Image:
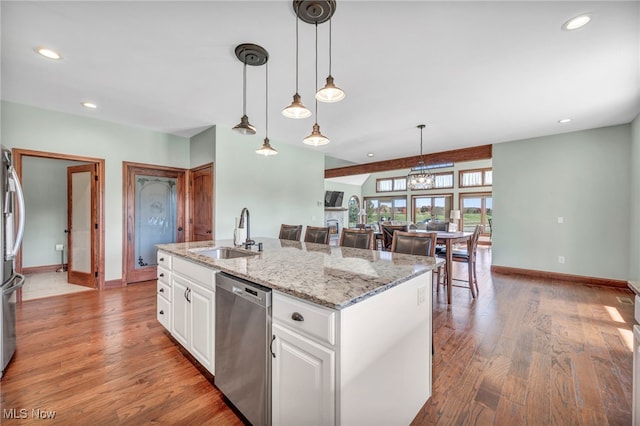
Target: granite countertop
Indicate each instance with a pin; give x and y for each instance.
(335, 277)
(635, 286)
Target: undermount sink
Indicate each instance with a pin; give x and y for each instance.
(224, 253)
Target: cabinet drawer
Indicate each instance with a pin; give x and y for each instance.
(314, 321)
(164, 275)
(163, 259)
(194, 272)
(637, 309)
(163, 312)
(164, 290)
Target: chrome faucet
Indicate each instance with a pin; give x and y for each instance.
(248, 242)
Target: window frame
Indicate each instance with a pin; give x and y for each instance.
(428, 195)
(393, 186)
(483, 209)
(391, 198)
(482, 174)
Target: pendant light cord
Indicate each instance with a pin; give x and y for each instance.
(329, 46)
(266, 100)
(315, 83)
(297, 52)
(244, 89)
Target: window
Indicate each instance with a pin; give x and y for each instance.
(476, 209)
(354, 208)
(443, 180)
(434, 207)
(477, 177)
(391, 184)
(387, 208)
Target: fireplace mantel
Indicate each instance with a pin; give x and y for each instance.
(335, 209)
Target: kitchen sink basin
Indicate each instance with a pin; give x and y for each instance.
(224, 253)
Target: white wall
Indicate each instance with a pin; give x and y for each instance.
(202, 147)
(285, 188)
(43, 130)
(44, 183)
(634, 201)
(583, 177)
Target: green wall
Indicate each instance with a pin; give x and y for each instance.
(38, 129)
(583, 177)
(634, 200)
(285, 188)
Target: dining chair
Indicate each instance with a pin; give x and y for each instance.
(387, 234)
(316, 234)
(357, 238)
(468, 257)
(417, 243)
(290, 232)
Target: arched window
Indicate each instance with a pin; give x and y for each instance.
(354, 208)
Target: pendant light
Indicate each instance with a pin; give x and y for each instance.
(419, 176)
(266, 148)
(330, 92)
(296, 109)
(316, 138)
(248, 54)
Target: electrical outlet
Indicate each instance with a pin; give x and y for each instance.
(59, 247)
(422, 295)
(560, 219)
(561, 259)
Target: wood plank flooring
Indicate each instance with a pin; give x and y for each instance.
(524, 352)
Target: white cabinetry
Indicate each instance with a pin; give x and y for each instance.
(369, 363)
(189, 306)
(303, 370)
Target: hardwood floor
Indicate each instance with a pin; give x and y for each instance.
(524, 352)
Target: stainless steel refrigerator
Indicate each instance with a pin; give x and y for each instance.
(11, 231)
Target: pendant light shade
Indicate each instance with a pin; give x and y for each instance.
(316, 138)
(248, 54)
(296, 109)
(419, 176)
(266, 148)
(330, 92)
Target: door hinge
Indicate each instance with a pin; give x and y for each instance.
(96, 274)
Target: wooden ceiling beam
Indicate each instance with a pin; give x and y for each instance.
(481, 152)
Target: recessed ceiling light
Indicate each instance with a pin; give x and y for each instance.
(370, 154)
(89, 105)
(577, 22)
(48, 53)
(564, 120)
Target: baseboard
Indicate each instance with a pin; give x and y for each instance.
(113, 284)
(41, 269)
(578, 279)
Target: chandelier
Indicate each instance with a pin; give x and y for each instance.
(419, 176)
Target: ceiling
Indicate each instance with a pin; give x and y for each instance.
(474, 72)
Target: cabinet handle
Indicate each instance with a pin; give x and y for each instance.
(161, 312)
(161, 275)
(161, 290)
(186, 295)
(162, 259)
(296, 316)
(271, 346)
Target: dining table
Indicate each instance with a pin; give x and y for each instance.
(449, 239)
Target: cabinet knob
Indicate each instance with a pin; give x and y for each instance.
(161, 290)
(161, 275)
(161, 312)
(296, 316)
(162, 259)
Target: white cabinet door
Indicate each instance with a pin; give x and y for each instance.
(181, 312)
(303, 380)
(202, 325)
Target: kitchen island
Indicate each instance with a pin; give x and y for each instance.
(362, 355)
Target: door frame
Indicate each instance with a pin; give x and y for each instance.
(18, 154)
(191, 202)
(128, 244)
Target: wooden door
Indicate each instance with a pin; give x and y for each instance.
(82, 224)
(154, 205)
(201, 209)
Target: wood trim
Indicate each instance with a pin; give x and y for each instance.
(41, 269)
(114, 284)
(17, 155)
(482, 152)
(577, 279)
(191, 204)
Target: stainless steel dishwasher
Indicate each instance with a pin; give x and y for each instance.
(243, 332)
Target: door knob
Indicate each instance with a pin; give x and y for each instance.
(180, 229)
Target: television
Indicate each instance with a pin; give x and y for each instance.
(333, 198)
